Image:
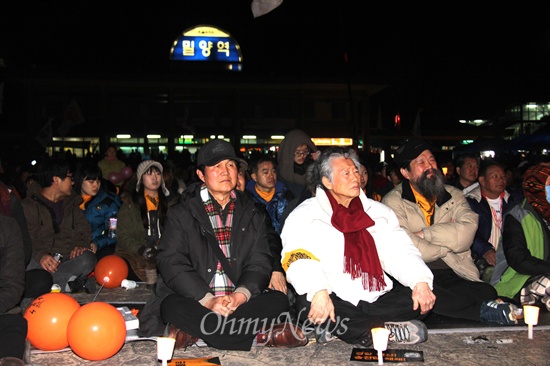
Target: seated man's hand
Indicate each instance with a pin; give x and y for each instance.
(236, 300)
(490, 257)
(321, 308)
(423, 296)
(49, 263)
(77, 251)
(420, 234)
(278, 282)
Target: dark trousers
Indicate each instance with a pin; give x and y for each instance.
(237, 331)
(84, 264)
(354, 323)
(13, 332)
(105, 251)
(458, 297)
(37, 282)
(132, 276)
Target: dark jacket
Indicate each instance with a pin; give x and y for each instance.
(48, 236)
(19, 215)
(187, 264)
(273, 238)
(12, 264)
(480, 206)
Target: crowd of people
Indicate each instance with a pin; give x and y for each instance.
(265, 250)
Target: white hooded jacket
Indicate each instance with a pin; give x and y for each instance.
(313, 251)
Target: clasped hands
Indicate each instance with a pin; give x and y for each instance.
(227, 304)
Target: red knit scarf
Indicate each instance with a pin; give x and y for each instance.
(360, 254)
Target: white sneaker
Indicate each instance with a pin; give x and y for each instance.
(409, 332)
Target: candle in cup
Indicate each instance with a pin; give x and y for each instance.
(531, 317)
(165, 349)
(380, 341)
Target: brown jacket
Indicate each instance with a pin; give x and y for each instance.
(72, 231)
(451, 233)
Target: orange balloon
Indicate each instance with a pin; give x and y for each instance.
(96, 331)
(47, 318)
(112, 267)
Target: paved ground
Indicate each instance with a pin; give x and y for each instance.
(449, 343)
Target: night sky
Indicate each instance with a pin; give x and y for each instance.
(454, 55)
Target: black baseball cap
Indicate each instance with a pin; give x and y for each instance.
(215, 151)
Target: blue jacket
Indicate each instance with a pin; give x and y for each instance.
(98, 212)
(276, 207)
(480, 206)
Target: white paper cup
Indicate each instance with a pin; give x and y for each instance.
(165, 348)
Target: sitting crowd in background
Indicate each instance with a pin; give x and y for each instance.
(70, 213)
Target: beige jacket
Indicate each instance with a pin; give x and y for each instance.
(451, 233)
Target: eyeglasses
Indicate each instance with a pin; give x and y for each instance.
(70, 176)
(301, 153)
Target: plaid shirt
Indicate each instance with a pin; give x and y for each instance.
(220, 284)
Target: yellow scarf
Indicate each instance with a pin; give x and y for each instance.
(426, 207)
(152, 202)
(267, 196)
(87, 198)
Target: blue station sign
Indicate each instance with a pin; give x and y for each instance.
(205, 43)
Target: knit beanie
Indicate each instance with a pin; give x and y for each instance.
(144, 167)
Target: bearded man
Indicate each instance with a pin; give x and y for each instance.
(441, 224)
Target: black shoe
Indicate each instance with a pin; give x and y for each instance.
(76, 285)
(82, 283)
(90, 285)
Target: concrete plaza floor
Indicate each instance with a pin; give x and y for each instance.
(449, 343)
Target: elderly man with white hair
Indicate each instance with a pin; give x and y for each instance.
(351, 264)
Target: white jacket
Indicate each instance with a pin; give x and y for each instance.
(313, 251)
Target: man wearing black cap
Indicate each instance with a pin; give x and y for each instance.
(215, 265)
(442, 225)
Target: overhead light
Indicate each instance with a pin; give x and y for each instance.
(249, 137)
(153, 136)
(277, 137)
(332, 141)
(123, 136)
(221, 136)
(188, 137)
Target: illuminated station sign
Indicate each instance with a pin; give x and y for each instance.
(206, 43)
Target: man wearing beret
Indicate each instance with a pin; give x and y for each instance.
(442, 225)
(215, 265)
